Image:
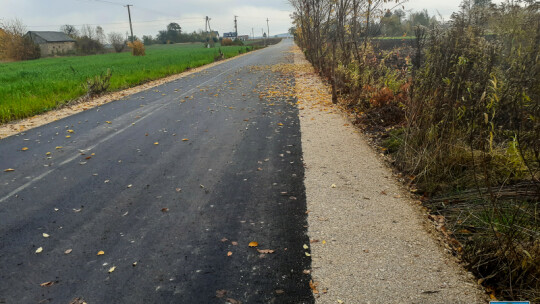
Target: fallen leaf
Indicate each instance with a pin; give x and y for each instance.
(9, 170)
(280, 124)
(134, 264)
(185, 139)
(45, 235)
(47, 284)
(112, 269)
(68, 251)
(101, 252)
(307, 254)
(229, 253)
(156, 143)
(77, 301)
(221, 293)
(70, 131)
(314, 241)
(108, 122)
(253, 244)
(178, 190)
(279, 291)
(265, 251)
(129, 186)
(234, 243)
(313, 286)
(39, 250)
(323, 242)
(334, 186)
(48, 153)
(224, 240)
(68, 136)
(24, 149)
(306, 271)
(306, 246)
(233, 301)
(165, 210)
(340, 302)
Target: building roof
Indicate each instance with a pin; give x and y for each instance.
(52, 36)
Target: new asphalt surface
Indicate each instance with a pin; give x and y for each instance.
(172, 184)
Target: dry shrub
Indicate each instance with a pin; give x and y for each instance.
(227, 42)
(97, 85)
(14, 45)
(137, 48)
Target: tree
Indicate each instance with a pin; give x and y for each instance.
(88, 32)
(174, 27)
(148, 39)
(14, 44)
(100, 34)
(70, 30)
(118, 41)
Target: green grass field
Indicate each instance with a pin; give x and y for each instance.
(31, 87)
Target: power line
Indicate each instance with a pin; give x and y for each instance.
(114, 23)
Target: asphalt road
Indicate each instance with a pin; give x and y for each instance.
(126, 182)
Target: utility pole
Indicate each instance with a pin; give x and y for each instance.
(236, 27)
(268, 27)
(252, 33)
(130, 26)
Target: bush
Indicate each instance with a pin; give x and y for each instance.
(14, 45)
(97, 85)
(88, 46)
(137, 48)
(117, 41)
(226, 42)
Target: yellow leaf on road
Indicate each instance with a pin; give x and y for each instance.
(185, 139)
(280, 124)
(9, 170)
(39, 250)
(253, 244)
(24, 149)
(112, 269)
(229, 253)
(68, 251)
(101, 252)
(45, 235)
(59, 147)
(70, 131)
(156, 143)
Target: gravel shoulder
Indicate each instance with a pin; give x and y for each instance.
(370, 242)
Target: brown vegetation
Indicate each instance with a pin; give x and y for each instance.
(14, 45)
(460, 114)
(137, 48)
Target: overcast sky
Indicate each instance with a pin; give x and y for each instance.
(151, 16)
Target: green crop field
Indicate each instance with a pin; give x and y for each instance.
(31, 87)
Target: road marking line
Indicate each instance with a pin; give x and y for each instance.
(21, 188)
